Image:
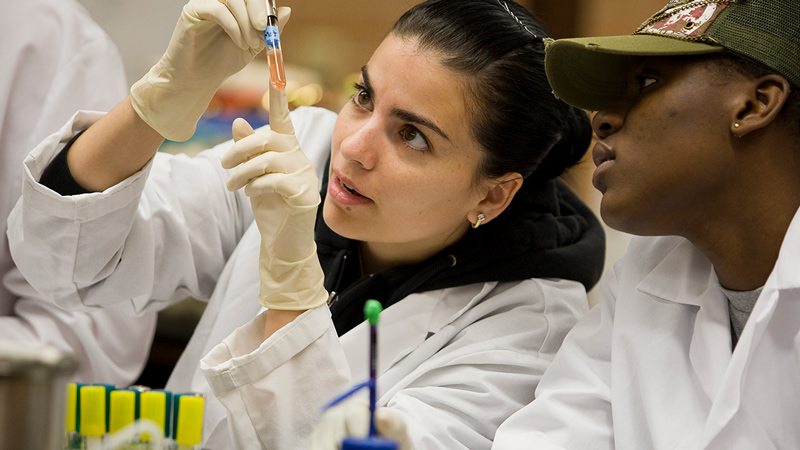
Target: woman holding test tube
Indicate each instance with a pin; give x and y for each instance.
(440, 198)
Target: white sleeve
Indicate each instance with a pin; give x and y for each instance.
(572, 409)
(155, 238)
(110, 346)
(272, 389)
(56, 61)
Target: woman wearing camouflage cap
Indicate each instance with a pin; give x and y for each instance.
(696, 340)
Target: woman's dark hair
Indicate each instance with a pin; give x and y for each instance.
(497, 47)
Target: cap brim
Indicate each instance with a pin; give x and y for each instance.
(590, 72)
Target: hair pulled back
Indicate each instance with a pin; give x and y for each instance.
(496, 46)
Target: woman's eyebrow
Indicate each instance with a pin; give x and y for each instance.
(402, 114)
(408, 116)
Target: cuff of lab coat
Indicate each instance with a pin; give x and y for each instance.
(82, 207)
(242, 358)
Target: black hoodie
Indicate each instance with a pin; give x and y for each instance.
(547, 232)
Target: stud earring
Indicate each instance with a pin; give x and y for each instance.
(479, 220)
(736, 125)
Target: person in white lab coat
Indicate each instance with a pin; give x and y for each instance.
(481, 274)
(695, 343)
(56, 60)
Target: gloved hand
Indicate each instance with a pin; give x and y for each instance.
(211, 42)
(284, 192)
(350, 418)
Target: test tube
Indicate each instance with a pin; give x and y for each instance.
(189, 422)
(93, 416)
(72, 438)
(153, 406)
(122, 408)
(277, 75)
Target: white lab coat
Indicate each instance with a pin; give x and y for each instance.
(651, 366)
(56, 60)
(457, 361)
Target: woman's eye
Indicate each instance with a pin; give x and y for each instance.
(362, 98)
(644, 81)
(414, 138)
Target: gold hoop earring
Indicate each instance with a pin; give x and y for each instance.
(479, 220)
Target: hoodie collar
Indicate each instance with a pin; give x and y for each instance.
(547, 232)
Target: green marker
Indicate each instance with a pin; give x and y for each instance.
(372, 310)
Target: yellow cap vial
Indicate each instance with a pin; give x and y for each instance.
(72, 402)
(93, 410)
(153, 406)
(122, 410)
(190, 420)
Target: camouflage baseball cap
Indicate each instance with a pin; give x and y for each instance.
(590, 72)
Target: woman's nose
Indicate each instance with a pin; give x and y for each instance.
(361, 145)
(608, 121)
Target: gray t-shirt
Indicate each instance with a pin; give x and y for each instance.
(740, 305)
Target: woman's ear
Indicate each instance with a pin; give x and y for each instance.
(762, 105)
(501, 191)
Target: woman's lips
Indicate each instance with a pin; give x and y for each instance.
(601, 153)
(603, 158)
(344, 192)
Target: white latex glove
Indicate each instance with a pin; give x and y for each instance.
(351, 419)
(211, 42)
(284, 192)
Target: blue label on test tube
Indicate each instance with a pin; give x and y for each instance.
(271, 37)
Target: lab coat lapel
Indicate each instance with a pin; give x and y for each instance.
(440, 317)
(786, 268)
(402, 328)
(685, 276)
(765, 356)
(420, 320)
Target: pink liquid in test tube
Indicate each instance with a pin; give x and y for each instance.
(277, 74)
